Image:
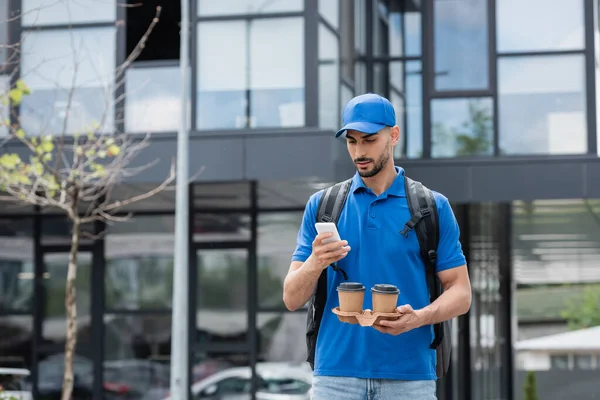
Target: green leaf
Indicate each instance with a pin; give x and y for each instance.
(4, 100)
(47, 157)
(114, 150)
(20, 133)
(23, 87)
(10, 161)
(48, 147)
(16, 96)
(102, 154)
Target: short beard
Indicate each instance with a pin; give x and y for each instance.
(377, 166)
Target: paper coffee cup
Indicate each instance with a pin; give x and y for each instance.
(351, 296)
(385, 298)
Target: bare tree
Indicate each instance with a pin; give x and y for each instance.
(74, 173)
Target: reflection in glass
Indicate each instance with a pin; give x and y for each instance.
(16, 336)
(222, 287)
(279, 336)
(52, 12)
(329, 79)
(51, 366)
(400, 34)
(461, 127)
(539, 25)
(276, 89)
(221, 227)
(276, 241)
(346, 95)
(139, 263)
(136, 353)
(213, 8)
(55, 279)
(488, 345)
(49, 64)
(329, 10)
(152, 99)
(461, 44)
(538, 113)
(222, 195)
(57, 231)
(413, 113)
(16, 264)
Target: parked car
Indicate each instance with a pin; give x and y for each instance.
(12, 384)
(276, 381)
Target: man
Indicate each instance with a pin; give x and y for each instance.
(391, 360)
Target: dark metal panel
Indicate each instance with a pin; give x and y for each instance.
(506, 283)
(503, 179)
(276, 158)
(450, 180)
(534, 181)
(211, 159)
(311, 62)
(592, 180)
(590, 71)
(97, 309)
(253, 287)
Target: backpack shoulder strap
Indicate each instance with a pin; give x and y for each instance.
(423, 209)
(330, 207)
(332, 202)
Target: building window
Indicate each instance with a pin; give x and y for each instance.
(139, 264)
(163, 43)
(4, 108)
(330, 12)
(277, 234)
(460, 45)
(210, 8)
(152, 100)
(329, 79)
(54, 328)
(66, 12)
(222, 297)
(396, 28)
(558, 361)
(71, 75)
(247, 89)
(538, 113)
(539, 25)
(462, 127)
(16, 265)
(4, 26)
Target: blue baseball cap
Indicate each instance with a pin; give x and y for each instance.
(368, 113)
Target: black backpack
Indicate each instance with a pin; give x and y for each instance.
(424, 219)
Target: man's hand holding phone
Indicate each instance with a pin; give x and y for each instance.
(327, 246)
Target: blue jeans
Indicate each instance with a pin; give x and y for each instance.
(342, 388)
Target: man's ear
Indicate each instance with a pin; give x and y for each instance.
(395, 134)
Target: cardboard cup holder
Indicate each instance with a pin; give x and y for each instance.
(364, 317)
(351, 296)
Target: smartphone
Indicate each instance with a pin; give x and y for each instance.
(323, 227)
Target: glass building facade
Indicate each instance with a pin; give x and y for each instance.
(482, 89)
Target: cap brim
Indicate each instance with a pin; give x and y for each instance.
(364, 127)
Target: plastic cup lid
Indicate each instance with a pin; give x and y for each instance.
(350, 287)
(385, 289)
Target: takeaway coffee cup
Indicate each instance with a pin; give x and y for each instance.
(384, 298)
(351, 296)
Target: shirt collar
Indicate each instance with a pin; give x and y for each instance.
(396, 189)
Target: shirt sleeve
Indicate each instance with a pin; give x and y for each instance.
(307, 231)
(449, 253)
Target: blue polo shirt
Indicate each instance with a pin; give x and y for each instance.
(379, 254)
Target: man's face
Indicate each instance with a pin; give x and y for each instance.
(370, 153)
